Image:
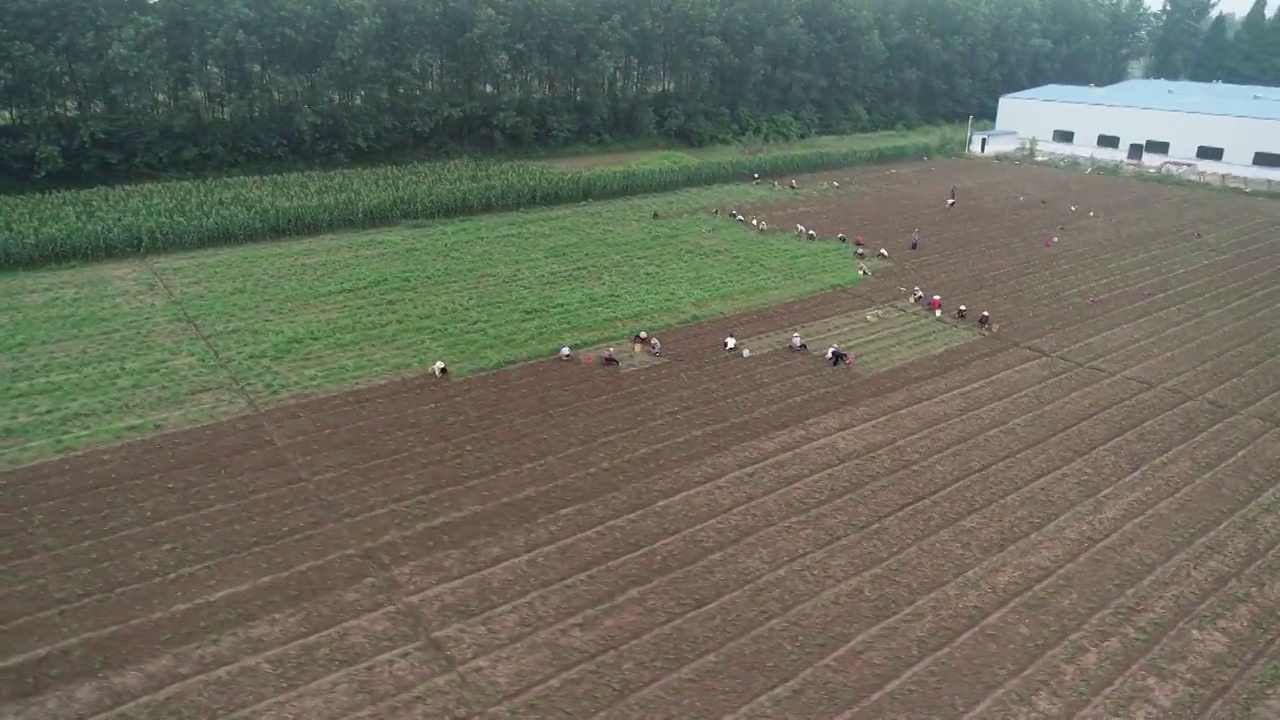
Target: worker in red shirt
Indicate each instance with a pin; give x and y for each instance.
(936, 306)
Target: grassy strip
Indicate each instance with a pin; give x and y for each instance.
(103, 223)
(100, 353)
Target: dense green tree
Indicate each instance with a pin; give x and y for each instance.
(1177, 40)
(99, 90)
(1214, 52)
(1248, 60)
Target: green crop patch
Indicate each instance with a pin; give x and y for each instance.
(100, 352)
(879, 338)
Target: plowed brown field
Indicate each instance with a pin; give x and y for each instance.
(1076, 515)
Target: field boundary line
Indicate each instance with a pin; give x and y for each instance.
(388, 585)
(791, 611)
(1090, 550)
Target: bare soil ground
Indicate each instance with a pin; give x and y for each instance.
(1077, 515)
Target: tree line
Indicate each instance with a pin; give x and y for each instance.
(1193, 43)
(102, 90)
(98, 90)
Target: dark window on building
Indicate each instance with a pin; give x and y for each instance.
(1066, 137)
(1206, 152)
(1157, 147)
(1264, 159)
(1109, 141)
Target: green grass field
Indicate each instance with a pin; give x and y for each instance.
(101, 353)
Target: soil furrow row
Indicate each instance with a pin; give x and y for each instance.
(1062, 680)
(857, 604)
(1122, 536)
(795, 492)
(1190, 669)
(692, 650)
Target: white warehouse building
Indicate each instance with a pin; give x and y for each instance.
(1215, 127)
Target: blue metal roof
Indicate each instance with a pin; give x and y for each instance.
(1248, 101)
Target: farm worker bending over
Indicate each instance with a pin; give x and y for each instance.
(984, 320)
(566, 353)
(439, 370)
(730, 343)
(863, 271)
(608, 358)
(858, 252)
(936, 306)
(961, 312)
(797, 344)
(952, 200)
(883, 254)
(915, 239)
(837, 356)
(639, 341)
(859, 241)
(917, 295)
(800, 230)
(842, 238)
(812, 236)
(655, 347)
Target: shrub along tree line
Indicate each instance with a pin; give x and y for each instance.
(95, 91)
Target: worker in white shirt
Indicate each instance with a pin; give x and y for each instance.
(566, 353)
(837, 356)
(797, 344)
(439, 370)
(730, 343)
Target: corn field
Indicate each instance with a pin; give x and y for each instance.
(102, 223)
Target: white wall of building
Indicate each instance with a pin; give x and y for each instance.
(1154, 162)
(1239, 138)
(996, 142)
